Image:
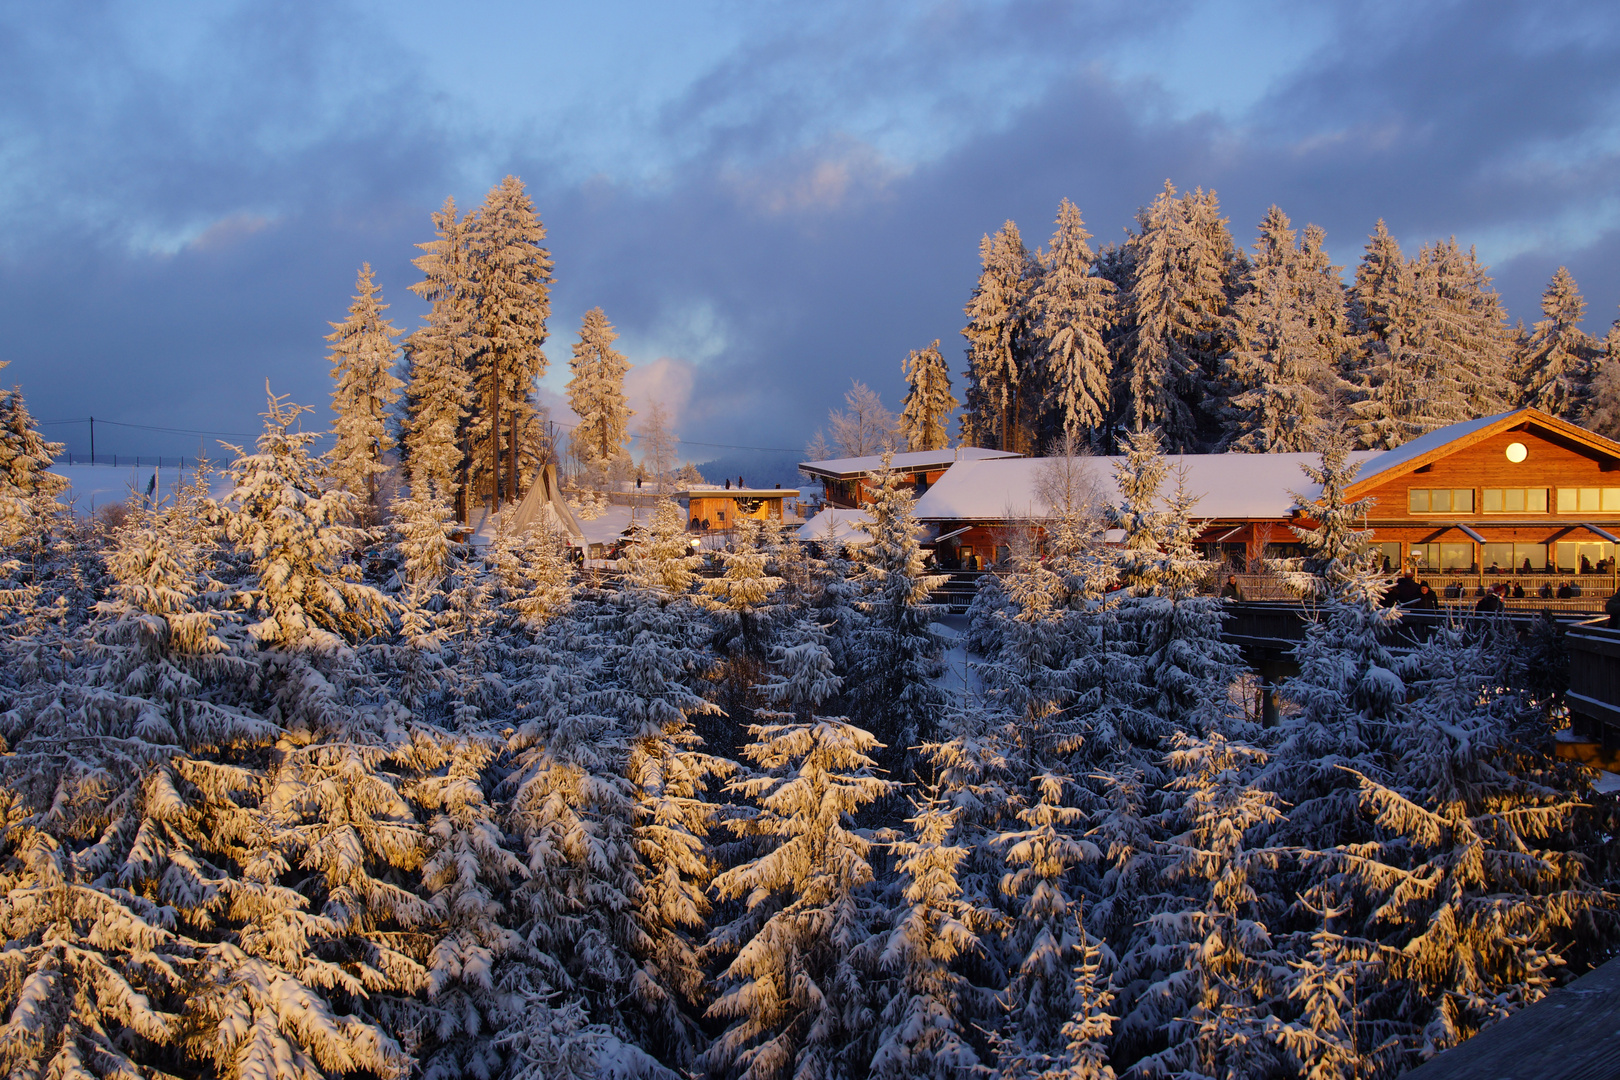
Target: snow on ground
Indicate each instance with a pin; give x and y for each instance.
(98, 485)
(958, 678)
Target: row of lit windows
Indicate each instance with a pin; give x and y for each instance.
(1512, 500)
(1567, 557)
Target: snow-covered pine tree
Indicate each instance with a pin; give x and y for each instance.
(1205, 961)
(26, 489)
(1464, 351)
(1462, 905)
(1071, 311)
(1043, 849)
(467, 873)
(1384, 317)
(424, 530)
(1602, 413)
(1184, 669)
(439, 393)
(596, 393)
(295, 531)
(740, 596)
(363, 355)
(1276, 373)
(338, 831)
(925, 414)
(1556, 363)
(795, 997)
(924, 1027)
(1177, 308)
(104, 883)
(895, 653)
(660, 557)
(511, 276)
(650, 642)
(1351, 686)
(1000, 375)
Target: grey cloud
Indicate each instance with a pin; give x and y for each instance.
(820, 256)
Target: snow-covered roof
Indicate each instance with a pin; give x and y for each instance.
(837, 525)
(1434, 440)
(911, 461)
(736, 493)
(1229, 486)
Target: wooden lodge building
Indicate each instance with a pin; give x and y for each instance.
(715, 509)
(845, 483)
(1523, 497)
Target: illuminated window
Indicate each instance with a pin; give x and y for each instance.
(1442, 557)
(1588, 500)
(1514, 500)
(1440, 500)
(1516, 558)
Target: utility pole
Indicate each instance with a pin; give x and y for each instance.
(92, 440)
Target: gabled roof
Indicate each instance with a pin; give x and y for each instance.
(911, 461)
(1231, 487)
(1443, 442)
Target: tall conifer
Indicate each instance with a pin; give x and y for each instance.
(925, 415)
(439, 395)
(512, 282)
(1556, 364)
(997, 332)
(1072, 309)
(362, 356)
(596, 392)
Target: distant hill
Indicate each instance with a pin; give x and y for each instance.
(758, 469)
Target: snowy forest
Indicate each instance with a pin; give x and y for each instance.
(302, 780)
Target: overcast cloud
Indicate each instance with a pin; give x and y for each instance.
(767, 199)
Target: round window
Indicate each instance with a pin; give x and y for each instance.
(1516, 452)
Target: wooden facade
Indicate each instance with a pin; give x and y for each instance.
(720, 509)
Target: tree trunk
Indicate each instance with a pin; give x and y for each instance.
(495, 430)
(512, 471)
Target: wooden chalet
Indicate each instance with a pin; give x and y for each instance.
(1523, 497)
(846, 483)
(714, 509)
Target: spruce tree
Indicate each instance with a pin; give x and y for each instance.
(923, 1030)
(362, 355)
(596, 393)
(26, 489)
(1177, 307)
(925, 415)
(894, 652)
(1384, 318)
(1072, 309)
(794, 996)
(1603, 405)
(511, 276)
(1556, 364)
(999, 374)
(1464, 350)
(1276, 406)
(439, 393)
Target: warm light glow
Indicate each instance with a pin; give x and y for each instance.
(1516, 452)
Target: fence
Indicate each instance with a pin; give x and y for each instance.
(156, 461)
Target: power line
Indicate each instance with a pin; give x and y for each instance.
(247, 435)
(150, 427)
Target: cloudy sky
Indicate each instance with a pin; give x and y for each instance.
(768, 199)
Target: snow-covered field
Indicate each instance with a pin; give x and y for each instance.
(98, 485)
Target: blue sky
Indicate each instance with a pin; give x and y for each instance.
(767, 199)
